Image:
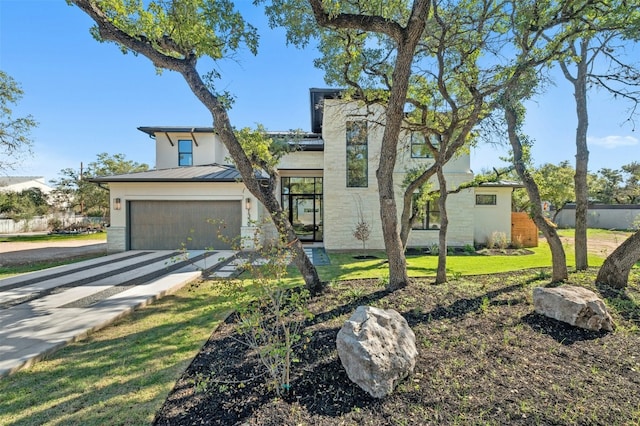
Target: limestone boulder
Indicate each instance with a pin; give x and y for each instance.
(377, 348)
(574, 305)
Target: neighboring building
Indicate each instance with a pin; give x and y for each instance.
(603, 216)
(326, 186)
(20, 183)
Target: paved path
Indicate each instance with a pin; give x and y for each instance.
(42, 311)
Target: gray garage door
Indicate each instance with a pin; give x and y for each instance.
(170, 225)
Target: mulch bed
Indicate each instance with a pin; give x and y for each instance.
(484, 358)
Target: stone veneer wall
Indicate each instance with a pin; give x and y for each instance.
(341, 204)
(116, 239)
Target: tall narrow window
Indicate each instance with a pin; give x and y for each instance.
(357, 154)
(185, 152)
(429, 216)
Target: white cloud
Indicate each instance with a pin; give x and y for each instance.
(611, 142)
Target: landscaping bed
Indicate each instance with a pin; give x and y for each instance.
(485, 357)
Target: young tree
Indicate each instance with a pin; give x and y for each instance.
(174, 36)
(15, 139)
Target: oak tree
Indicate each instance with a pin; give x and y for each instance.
(174, 35)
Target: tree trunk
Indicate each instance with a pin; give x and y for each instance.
(187, 68)
(614, 272)
(558, 258)
(398, 276)
(441, 273)
(265, 194)
(407, 39)
(582, 160)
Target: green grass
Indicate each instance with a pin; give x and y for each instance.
(123, 373)
(42, 238)
(7, 271)
(344, 266)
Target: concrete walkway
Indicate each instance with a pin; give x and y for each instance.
(42, 311)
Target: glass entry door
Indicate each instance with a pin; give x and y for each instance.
(302, 200)
(306, 212)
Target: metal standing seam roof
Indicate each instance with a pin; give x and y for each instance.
(502, 184)
(302, 141)
(205, 173)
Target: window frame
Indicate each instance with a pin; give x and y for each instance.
(181, 153)
(493, 201)
(355, 147)
(431, 208)
(417, 139)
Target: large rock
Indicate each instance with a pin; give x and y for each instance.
(377, 349)
(574, 305)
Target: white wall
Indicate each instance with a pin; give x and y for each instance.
(490, 219)
(617, 216)
(17, 184)
(209, 149)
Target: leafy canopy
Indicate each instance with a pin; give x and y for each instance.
(14, 132)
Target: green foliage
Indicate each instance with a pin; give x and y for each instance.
(24, 204)
(555, 183)
(616, 186)
(75, 191)
(265, 150)
(15, 140)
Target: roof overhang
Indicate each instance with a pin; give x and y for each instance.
(207, 173)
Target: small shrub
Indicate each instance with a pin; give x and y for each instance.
(469, 249)
(54, 223)
(434, 249)
(272, 326)
(497, 240)
(516, 242)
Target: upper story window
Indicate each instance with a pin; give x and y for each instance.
(419, 148)
(429, 218)
(185, 152)
(486, 199)
(357, 154)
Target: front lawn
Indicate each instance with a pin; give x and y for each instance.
(485, 358)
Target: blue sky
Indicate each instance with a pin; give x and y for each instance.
(89, 98)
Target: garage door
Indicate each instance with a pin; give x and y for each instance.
(171, 225)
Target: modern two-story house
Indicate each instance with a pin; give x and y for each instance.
(327, 185)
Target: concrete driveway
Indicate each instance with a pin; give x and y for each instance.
(43, 311)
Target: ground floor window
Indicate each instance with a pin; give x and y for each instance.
(428, 214)
(486, 199)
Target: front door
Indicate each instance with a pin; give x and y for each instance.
(302, 200)
(306, 216)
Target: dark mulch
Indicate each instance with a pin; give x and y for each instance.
(484, 358)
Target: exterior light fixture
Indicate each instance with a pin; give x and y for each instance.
(247, 203)
(117, 203)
